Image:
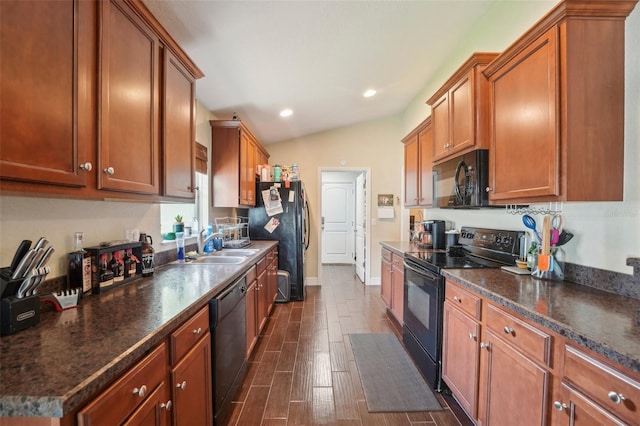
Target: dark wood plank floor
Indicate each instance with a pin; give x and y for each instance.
(302, 371)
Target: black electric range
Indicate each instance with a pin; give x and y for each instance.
(424, 288)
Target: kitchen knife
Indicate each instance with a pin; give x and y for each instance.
(39, 253)
(42, 242)
(24, 286)
(23, 265)
(45, 258)
(23, 248)
(41, 273)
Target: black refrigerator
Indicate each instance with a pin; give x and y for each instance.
(291, 229)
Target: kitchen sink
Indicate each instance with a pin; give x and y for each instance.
(236, 252)
(217, 259)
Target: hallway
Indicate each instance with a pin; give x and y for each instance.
(302, 371)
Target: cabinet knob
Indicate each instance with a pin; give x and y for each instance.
(457, 299)
(472, 336)
(617, 398)
(197, 331)
(109, 171)
(559, 405)
(182, 386)
(508, 330)
(86, 166)
(166, 405)
(141, 391)
(488, 189)
(484, 345)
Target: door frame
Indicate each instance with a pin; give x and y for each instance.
(367, 245)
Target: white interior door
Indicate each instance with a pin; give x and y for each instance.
(361, 226)
(337, 223)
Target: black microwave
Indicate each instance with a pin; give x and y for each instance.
(461, 182)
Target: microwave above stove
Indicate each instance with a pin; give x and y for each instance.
(461, 182)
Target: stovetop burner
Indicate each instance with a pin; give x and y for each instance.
(478, 248)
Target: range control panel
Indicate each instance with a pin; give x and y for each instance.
(493, 239)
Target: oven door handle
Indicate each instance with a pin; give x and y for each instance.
(429, 274)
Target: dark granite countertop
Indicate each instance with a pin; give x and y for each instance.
(602, 321)
(52, 368)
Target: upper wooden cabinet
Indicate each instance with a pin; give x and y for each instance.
(418, 158)
(557, 107)
(46, 112)
(235, 156)
(92, 112)
(460, 110)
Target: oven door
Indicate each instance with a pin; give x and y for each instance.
(423, 304)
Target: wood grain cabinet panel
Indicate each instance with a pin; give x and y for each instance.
(460, 110)
(418, 155)
(557, 107)
(179, 129)
(46, 116)
(154, 411)
(397, 287)
(129, 102)
(386, 270)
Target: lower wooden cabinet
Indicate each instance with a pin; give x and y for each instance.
(154, 411)
(262, 290)
(392, 283)
(385, 279)
(251, 310)
(580, 410)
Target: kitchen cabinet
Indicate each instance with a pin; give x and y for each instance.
(272, 279)
(251, 310)
(596, 392)
(557, 108)
(154, 411)
(386, 269)
(262, 301)
(460, 348)
(179, 139)
(418, 156)
(118, 92)
(46, 124)
(129, 392)
(191, 371)
(235, 156)
(460, 110)
(392, 283)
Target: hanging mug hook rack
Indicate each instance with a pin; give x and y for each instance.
(553, 208)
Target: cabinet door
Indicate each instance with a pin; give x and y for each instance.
(425, 175)
(582, 411)
(191, 383)
(179, 133)
(262, 298)
(129, 89)
(411, 172)
(440, 122)
(155, 411)
(385, 281)
(273, 279)
(461, 357)
(461, 107)
(252, 323)
(45, 85)
(524, 154)
(397, 288)
(248, 155)
(514, 387)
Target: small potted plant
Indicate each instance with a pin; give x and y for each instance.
(179, 225)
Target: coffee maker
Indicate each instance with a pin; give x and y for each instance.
(434, 234)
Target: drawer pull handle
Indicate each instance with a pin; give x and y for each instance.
(198, 330)
(472, 336)
(86, 166)
(559, 405)
(141, 391)
(484, 345)
(456, 299)
(617, 398)
(182, 386)
(109, 171)
(166, 405)
(508, 330)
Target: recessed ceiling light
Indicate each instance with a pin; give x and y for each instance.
(369, 93)
(286, 112)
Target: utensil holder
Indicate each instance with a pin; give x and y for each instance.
(556, 265)
(16, 314)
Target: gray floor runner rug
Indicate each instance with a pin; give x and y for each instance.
(391, 381)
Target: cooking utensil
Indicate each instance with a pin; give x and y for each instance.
(36, 259)
(45, 258)
(564, 238)
(42, 242)
(62, 300)
(23, 248)
(556, 228)
(22, 267)
(544, 260)
(42, 274)
(530, 223)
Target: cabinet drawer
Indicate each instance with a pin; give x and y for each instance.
(603, 384)
(116, 403)
(463, 300)
(521, 335)
(188, 334)
(386, 254)
(261, 265)
(251, 275)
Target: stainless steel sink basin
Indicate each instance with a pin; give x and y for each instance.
(236, 252)
(217, 259)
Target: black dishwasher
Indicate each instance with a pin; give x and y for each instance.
(227, 316)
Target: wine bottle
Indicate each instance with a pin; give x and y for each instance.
(79, 271)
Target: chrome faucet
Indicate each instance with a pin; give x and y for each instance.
(202, 240)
